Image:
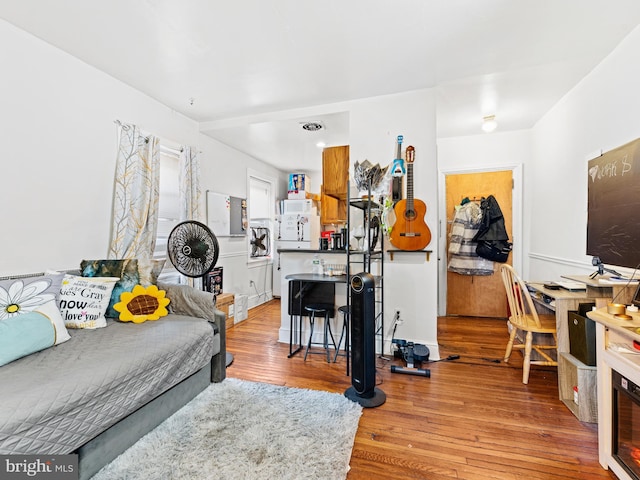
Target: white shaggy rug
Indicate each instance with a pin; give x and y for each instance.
(246, 430)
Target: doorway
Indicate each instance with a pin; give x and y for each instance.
(477, 295)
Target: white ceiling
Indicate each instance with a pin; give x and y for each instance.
(253, 70)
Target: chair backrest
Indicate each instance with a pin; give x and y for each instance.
(522, 309)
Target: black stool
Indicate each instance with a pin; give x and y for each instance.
(346, 317)
(320, 310)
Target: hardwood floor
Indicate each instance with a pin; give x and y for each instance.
(472, 419)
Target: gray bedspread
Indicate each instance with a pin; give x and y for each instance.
(54, 401)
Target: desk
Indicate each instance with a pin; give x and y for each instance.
(622, 291)
(571, 371)
(301, 279)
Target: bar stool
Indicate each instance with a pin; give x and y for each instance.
(346, 317)
(320, 310)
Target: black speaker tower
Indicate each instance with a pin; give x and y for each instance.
(363, 343)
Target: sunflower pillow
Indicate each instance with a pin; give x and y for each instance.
(142, 304)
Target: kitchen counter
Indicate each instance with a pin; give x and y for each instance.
(296, 261)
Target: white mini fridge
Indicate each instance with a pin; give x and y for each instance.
(299, 230)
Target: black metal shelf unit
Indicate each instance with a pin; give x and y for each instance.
(370, 258)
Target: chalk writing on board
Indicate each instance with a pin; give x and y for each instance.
(613, 223)
(611, 169)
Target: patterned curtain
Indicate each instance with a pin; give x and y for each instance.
(189, 188)
(135, 197)
(189, 185)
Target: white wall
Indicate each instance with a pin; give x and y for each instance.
(410, 282)
(58, 159)
(600, 113)
(224, 170)
(597, 115)
(58, 152)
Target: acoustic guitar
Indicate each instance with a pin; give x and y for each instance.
(410, 232)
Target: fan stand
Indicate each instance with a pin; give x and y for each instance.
(229, 359)
(193, 250)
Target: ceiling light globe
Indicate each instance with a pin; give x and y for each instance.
(489, 124)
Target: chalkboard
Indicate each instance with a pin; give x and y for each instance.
(613, 227)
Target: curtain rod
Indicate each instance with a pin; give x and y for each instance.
(180, 150)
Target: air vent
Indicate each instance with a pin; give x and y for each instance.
(312, 126)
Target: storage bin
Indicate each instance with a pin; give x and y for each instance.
(582, 335)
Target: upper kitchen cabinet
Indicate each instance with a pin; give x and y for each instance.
(335, 180)
(335, 171)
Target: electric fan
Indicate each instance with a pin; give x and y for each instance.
(259, 242)
(193, 249)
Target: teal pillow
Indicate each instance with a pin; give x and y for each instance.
(23, 334)
(126, 270)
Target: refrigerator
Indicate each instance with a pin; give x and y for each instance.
(297, 227)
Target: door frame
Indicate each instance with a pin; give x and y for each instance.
(516, 173)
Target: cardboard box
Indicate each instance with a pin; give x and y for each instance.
(213, 281)
(299, 185)
(223, 302)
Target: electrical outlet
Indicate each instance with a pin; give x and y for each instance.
(397, 314)
(251, 283)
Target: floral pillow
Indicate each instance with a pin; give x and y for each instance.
(24, 295)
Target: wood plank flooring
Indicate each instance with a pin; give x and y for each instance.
(472, 419)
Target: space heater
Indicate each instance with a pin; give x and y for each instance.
(363, 349)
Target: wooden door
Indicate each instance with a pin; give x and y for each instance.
(478, 296)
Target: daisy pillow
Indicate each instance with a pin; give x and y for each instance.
(22, 295)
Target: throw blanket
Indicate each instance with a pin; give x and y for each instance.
(56, 400)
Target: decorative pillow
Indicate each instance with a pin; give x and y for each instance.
(26, 294)
(143, 303)
(149, 270)
(186, 300)
(84, 301)
(30, 332)
(126, 270)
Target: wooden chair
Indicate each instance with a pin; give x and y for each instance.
(523, 317)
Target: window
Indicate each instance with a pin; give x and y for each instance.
(261, 211)
(261, 204)
(168, 206)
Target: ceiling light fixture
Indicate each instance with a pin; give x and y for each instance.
(321, 144)
(312, 126)
(489, 123)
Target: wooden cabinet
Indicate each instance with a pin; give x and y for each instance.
(335, 171)
(335, 179)
(332, 210)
